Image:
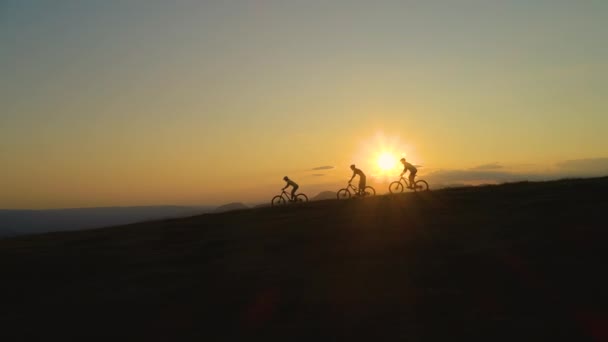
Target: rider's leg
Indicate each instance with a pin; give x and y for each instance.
(412, 183)
(293, 193)
(362, 186)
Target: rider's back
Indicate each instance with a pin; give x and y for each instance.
(410, 167)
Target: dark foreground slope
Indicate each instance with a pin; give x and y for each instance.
(515, 262)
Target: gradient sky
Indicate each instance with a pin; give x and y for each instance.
(202, 102)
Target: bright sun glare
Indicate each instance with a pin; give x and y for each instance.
(386, 161)
(379, 156)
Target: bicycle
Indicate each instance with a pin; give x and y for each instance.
(346, 192)
(285, 197)
(398, 186)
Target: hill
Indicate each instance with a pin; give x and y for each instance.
(21, 222)
(231, 207)
(518, 262)
(325, 195)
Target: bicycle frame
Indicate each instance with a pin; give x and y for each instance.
(350, 190)
(402, 183)
(406, 183)
(287, 195)
(354, 189)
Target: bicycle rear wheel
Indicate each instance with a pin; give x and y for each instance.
(369, 191)
(395, 187)
(343, 194)
(301, 198)
(278, 201)
(421, 185)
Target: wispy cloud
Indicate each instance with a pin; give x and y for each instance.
(590, 166)
(325, 167)
(496, 173)
(476, 176)
(490, 166)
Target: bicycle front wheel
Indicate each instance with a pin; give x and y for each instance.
(301, 198)
(343, 194)
(395, 187)
(278, 201)
(421, 185)
(369, 191)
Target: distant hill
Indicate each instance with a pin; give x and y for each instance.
(20, 222)
(325, 195)
(230, 207)
(5, 232)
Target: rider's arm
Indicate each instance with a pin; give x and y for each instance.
(351, 178)
(286, 186)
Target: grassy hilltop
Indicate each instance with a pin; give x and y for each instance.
(523, 261)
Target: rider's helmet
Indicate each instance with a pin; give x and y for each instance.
(352, 166)
(403, 160)
(285, 178)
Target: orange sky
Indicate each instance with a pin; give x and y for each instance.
(110, 103)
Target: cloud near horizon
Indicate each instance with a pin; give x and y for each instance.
(490, 166)
(589, 166)
(496, 173)
(449, 177)
(325, 167)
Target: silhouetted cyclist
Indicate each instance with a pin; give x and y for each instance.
(361, 178)
(413, 170)
(294, 187)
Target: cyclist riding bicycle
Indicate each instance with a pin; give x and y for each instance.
(413, 170)
(294, 187)
(361, 178)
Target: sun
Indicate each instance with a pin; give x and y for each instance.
(379, 156)
(386, 162)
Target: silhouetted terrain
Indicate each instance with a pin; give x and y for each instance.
(20, 222)
(516, 262)
(230, 207)
(324, 195)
